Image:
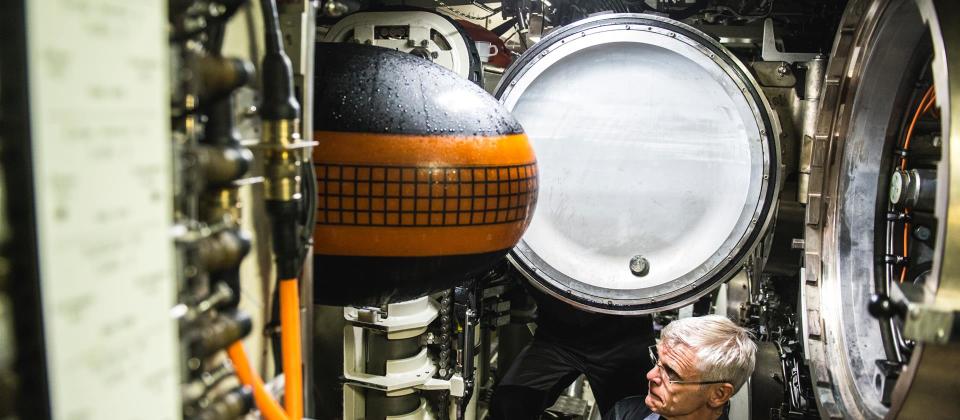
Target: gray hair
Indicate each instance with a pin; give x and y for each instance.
(725, 351)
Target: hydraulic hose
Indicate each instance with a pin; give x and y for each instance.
(267, 405)
(288, 261)
(283, 154)
(290, 337)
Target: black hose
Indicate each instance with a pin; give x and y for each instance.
(280, 104)
(215, 32)
(286, 238)
(689, 10)
(309, 208)
(505, 27)
(279, 101)
(271, 26)
(273, 330)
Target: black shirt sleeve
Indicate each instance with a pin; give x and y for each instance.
(630, 408)
(634, 408)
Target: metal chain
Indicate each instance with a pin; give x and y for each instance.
(445, 340)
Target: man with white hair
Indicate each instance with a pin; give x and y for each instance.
(698, 365)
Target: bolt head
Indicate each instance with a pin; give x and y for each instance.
(639, 266)
(783, 70)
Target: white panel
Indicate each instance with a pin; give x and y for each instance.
(99, 106)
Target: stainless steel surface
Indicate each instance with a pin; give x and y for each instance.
(931, 324)
(873, 63)
(737, 298)
(852, 339)
(769, 50)
(928, 388)
(774, 74)
(652, 140)
(813, 89)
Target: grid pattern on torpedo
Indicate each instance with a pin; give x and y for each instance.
(398, 196)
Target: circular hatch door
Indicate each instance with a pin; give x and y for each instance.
(658, 160)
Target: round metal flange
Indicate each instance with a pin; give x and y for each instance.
(424, 33)
(873, 63)
(659, 161)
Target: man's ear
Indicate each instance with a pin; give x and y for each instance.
(719, 395)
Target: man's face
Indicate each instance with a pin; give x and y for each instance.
(677, 363)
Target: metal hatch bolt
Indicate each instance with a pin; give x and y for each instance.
(639, 266)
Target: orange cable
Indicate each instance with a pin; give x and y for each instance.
(923, 107)
(926, 103)
(906, 234)
(290, 340)
(265, 402)
(933, 100)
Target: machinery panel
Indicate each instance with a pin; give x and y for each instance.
(102, 170)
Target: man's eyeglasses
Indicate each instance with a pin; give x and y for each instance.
(672, 375)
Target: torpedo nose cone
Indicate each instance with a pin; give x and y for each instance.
(423, 179)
